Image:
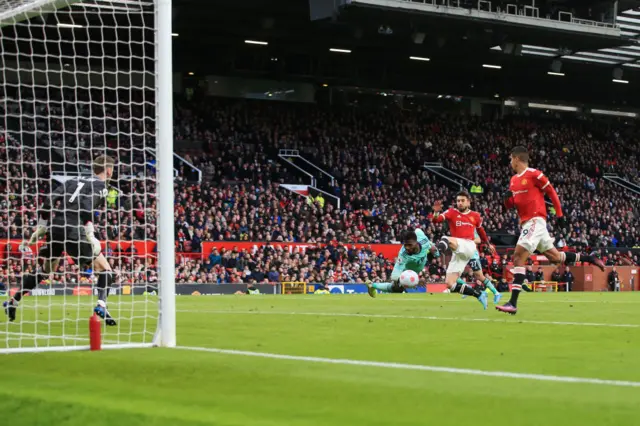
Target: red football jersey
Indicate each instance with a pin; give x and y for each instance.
(462, 225)
(528, 196)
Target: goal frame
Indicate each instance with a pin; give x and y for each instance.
(165, 333)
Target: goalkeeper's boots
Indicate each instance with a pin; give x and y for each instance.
(507, 308)
(372, 291)
(102, 312)
(496, 298)
(10, 308)
(483, 299)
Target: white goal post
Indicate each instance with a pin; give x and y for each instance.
(81, 79)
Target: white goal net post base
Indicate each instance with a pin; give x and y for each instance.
(80, 79)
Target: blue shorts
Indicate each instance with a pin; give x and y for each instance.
(474, 263)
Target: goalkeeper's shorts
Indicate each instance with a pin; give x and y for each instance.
(64, 240)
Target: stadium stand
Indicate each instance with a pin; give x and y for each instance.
(376, 156)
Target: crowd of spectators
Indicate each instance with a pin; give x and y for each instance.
(376, 157)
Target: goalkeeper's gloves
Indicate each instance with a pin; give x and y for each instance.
(91, 237)
(37, 235)
(24, 247)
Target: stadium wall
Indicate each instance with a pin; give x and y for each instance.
(590, 278)
(389, 251)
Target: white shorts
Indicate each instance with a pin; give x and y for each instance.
(465, 252)
(535, 236)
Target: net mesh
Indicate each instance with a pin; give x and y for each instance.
(77, 81)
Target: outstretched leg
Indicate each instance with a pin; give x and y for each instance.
(568, 258)
(392, 287)
(456, 285)
(29, 282)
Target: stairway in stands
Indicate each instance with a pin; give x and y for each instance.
(320, 181)
(623, 182)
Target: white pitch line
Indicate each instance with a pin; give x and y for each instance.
(429, 318)
(430, 300)
(400, 366)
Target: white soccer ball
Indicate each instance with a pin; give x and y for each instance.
(409, 279)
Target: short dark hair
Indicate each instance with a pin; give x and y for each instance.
(521, 152)
(463, 193)
(101, 163)
(409, 236)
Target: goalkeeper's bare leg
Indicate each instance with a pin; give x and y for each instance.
(391, 287)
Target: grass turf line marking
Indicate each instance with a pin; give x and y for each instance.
(428, 300)
(400, 366)
(429, 318)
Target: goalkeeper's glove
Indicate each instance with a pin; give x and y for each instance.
(24, 248)
(37, 235)
(91, 237)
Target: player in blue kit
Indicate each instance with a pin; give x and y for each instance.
(475, 266)
(417, 249)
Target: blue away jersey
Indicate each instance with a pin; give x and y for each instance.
(413, 262)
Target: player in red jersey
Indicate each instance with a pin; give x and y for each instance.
(526, 193)
(463, 223)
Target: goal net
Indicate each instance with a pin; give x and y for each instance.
(79, 80)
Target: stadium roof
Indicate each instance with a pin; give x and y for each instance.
(420, 53)
(626, 55)
(298, 49)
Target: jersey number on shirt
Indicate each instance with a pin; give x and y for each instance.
(76, 192)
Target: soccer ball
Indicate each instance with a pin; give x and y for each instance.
(409, 279)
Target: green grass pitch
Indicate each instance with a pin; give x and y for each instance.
(583, 335)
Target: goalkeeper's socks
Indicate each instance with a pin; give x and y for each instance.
(105, 279)
(386, 287)
(487, 282)
(29, 282)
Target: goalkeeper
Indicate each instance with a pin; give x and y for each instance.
(414, 254)
(71, 231)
